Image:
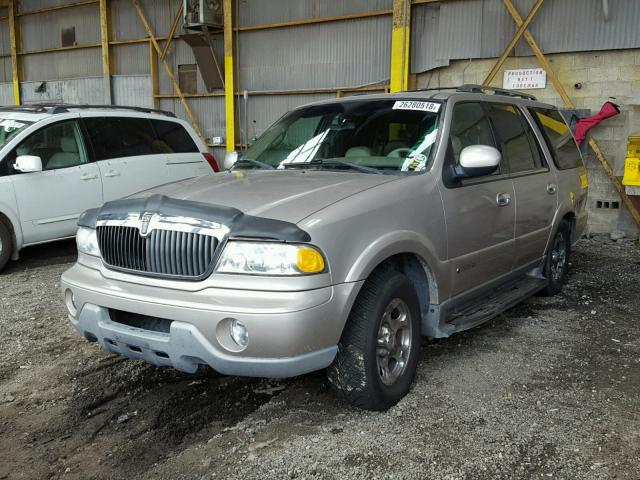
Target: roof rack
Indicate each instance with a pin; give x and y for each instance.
(472, 88)
(54, 108)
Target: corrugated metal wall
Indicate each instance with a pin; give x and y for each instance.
(482, 29)
(333, 55)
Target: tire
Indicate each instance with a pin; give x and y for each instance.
(357, 373)
(6, 245)
(557, 263)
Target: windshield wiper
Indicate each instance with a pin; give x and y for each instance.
(328, 163)
(253, 163)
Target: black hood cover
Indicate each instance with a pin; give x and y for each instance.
(239, 224)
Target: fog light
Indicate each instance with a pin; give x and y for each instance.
(70, 300)
(239, 333)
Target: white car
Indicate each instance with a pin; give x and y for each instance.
(56, 161)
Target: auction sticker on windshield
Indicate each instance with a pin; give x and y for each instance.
(413, 105)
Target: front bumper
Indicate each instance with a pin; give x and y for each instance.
(290, 333)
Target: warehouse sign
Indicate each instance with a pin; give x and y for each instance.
(524, 78)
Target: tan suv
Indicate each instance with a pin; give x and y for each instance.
(348, 230)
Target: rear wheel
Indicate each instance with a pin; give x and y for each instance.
(557, 263)
(6, 245)
(378, 352)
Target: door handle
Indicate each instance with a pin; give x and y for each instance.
(552, 188)
(112, 173)
(503, 199)
(88, 176)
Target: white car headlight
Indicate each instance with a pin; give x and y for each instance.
(87, 241)
(267, 258)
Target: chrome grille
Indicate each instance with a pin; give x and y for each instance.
(164, 252)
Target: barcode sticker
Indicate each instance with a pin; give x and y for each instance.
(413, 105)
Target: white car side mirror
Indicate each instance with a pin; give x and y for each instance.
(28, 164)
(230, 159)
(479, 160)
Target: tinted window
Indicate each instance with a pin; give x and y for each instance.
(558, 137)
(172, 138)
(114, 137)
(469, 126)
(58, 146)
(515, 138)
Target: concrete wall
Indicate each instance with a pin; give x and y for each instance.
(602, 74)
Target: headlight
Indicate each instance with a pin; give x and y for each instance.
(87, 241)
(264, 258)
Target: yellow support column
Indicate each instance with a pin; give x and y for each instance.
(400, 42)
(229, 97)
(14, 42)
(104, 36)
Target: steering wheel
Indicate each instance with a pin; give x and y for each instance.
(402, 152)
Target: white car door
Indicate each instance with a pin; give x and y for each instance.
(49, 202)
(184, 158)
(125, 153)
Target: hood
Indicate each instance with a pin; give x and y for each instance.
(281, 195)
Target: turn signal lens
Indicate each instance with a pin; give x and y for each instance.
(310, 261)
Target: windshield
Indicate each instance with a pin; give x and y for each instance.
(380, 136)
(9, 128)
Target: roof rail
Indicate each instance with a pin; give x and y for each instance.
(54, 108)
(472, 88)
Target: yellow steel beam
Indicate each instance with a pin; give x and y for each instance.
(565, 98)
(229, 97)
(167, 68)
(104, 37)
(14, 43)
(58, 7)
(400, 42)
(155, 77)
(507, 51)
(172, 32)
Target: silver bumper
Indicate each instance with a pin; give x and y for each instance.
(290, 333)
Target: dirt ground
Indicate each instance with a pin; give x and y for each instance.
(550, 389)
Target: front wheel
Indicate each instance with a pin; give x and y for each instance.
(6, 245)
(378, 352)
(557, 263)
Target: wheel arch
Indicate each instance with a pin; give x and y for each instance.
(14, 230)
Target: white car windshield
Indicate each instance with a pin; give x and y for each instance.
(370, 136)
(9, 128)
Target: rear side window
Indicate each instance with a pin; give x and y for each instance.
(172, 138)
(515, 138)
(114, 137)
(559, 138)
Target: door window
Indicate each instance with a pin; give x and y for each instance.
(115, 137)
(559, 139)
(58, 146)
(469, 126)
(171, 137)
(515, 138)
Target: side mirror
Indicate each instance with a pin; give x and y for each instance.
(477, 161)
(28, 164)
(230, 159)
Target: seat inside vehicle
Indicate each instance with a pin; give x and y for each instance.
(69, 155)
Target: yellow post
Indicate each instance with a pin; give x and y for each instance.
(229, 97)
(14, 42)
(400, 42)
(155, 75)
(104, 36)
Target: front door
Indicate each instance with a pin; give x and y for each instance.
(479, 212)
(50, 202)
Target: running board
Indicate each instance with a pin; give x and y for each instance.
(499, 300)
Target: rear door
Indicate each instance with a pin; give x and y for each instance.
(480, 212)
(125, 151)
(536, 189)
(183, 157)
(49, 202)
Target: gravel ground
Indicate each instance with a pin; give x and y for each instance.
(550, 389)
